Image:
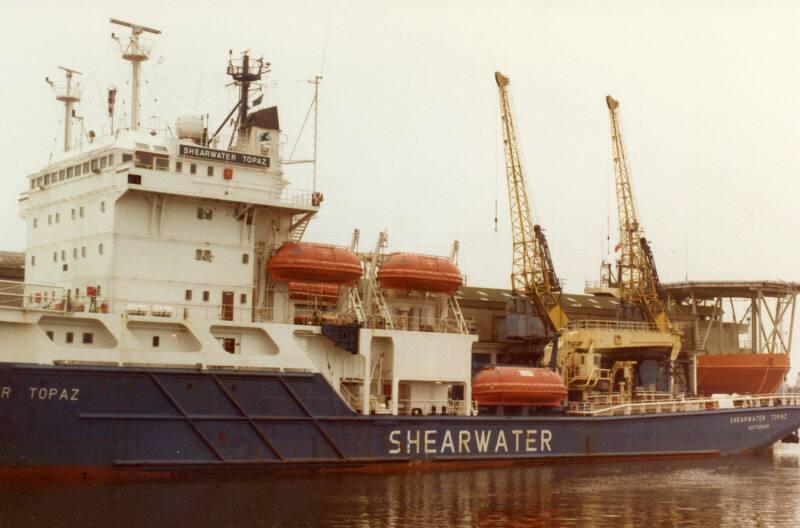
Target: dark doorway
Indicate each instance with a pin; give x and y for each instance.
(227, 306)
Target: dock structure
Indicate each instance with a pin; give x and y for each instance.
(760, 309)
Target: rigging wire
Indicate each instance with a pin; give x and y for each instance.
(157, 106)
(496, 161)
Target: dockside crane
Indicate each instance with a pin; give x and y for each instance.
(533, 274)
(637, 276)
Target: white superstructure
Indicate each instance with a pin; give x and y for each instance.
(153, 250)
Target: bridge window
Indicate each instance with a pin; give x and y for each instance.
(87, 338)
(210, 170)
(245, 258)
(178, 166)
(192, 168)
(70, 337)
(156, 341)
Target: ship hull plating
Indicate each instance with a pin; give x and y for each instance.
(115, 419)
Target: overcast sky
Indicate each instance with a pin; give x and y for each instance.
(409, 135)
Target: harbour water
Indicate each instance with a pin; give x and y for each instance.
(742, 491)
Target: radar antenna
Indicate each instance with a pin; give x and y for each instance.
(136, 51)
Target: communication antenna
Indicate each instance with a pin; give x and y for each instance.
(136, 51)
(244, 73)
(69, 95)
(315, 82)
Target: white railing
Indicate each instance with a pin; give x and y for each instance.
(28, 296)
(20, 296)
(591, 324)
(684, 405)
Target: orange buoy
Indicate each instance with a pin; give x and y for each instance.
(407, 271)
(507, 386)
(308, 291)
(307, 262)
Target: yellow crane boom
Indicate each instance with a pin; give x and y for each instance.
(638, 279)
(533, 273)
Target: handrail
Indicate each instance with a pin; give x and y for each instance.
(598, 324)
(21, 296)
(686, 405)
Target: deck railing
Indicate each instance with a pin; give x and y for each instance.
(20, 295)
(684, 405)
(591, 324)
(27, 296)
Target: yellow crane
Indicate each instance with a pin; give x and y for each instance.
(533, 274)
(637, 276)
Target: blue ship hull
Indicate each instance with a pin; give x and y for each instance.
(55, 417)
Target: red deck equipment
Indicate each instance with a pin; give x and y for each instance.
(507, 386)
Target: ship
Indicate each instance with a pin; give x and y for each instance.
(172, 319)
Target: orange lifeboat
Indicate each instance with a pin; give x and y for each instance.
(507, 386)
(308, 291)
(407, 271)
(306, 262)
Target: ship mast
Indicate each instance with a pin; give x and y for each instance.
(137, 51)
(69, 95)
(638, 279)
(533, 273)
(244, 73)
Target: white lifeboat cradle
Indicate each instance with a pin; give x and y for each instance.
(149, 249)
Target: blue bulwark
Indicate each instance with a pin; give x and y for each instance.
(343, 336)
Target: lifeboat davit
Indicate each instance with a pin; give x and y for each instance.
(407, 271)
(308, 291)
(307, 262)
(507, 386)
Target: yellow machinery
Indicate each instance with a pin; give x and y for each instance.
(533, 274)
(637, 275)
